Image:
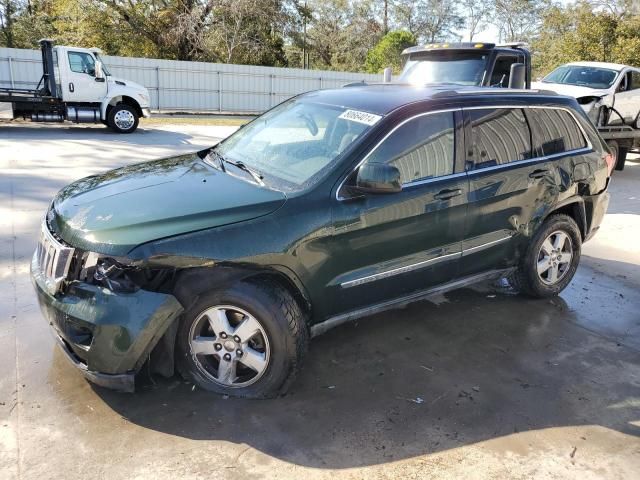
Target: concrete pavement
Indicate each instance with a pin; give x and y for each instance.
(475, 384)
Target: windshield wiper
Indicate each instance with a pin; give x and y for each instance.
(220, 158)
(242, 166)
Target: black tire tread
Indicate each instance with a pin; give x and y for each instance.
(523, 280)
(285, 303)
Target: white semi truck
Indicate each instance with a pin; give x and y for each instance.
(77, 87)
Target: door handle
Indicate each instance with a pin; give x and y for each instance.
(447, 194)
(543, 172)
(71, 87)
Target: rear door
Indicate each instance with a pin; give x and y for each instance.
(510, 184)
(391, 245)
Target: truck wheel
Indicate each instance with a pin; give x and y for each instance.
(247, 340)
(122, 118)
(551, 258)
(621, 158)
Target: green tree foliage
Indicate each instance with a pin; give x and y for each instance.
(387, 52)
(578, 33)
(335, 34)
(430, 20)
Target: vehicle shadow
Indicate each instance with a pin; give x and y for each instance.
(143, 136)
(472, 366)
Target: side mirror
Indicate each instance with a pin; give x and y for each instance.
(378, 178)
(518, 75)
(98, 70)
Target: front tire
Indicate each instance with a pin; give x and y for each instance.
(123, 118)
(247, 340)
(551, 259)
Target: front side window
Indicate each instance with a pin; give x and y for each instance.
(80, 62)
(421, 148)
(555, 131)
(635, 80)
(502, 70)
(296, 141)
(499, 136)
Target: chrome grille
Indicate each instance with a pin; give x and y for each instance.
(53, 260)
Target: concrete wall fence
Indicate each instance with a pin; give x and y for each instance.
(178, 86)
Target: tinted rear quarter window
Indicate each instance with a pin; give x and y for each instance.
(499, 136)
(554, 131)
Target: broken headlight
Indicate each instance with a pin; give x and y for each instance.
(114, 276)
(108, 272)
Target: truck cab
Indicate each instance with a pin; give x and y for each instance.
(469, 64)
(84, 78)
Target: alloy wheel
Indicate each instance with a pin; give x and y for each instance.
(554, 257)
(229, 346)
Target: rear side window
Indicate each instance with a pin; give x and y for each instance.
(421, 148)
(499, 136)
(554, 131)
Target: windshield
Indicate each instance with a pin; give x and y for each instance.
(592, 77)
(445, 67)
(105, 70)
(294, 142)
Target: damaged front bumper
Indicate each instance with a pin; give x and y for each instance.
(106, 335)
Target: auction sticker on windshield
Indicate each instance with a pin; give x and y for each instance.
(360, 117)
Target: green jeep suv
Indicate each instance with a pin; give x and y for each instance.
(331, 206)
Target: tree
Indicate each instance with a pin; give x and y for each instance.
(577, 33)
(429, 20)
(8, 12)
(477, 16)
(341, 32)
(387, 53)
(518, 20)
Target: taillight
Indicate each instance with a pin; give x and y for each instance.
(611, 162)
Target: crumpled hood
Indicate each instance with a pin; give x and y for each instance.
(575, 91)
(116, 211)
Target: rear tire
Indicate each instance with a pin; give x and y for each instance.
(123, 118)
(273, 353)
(622, 158)
(544, 270)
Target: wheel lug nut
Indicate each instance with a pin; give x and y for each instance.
(236, 339)
(223, 335)
(227, 357)
(239, 352)
(217, 346)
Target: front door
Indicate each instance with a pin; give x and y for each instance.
(81, 84)
(627, 98)
(387, 246)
